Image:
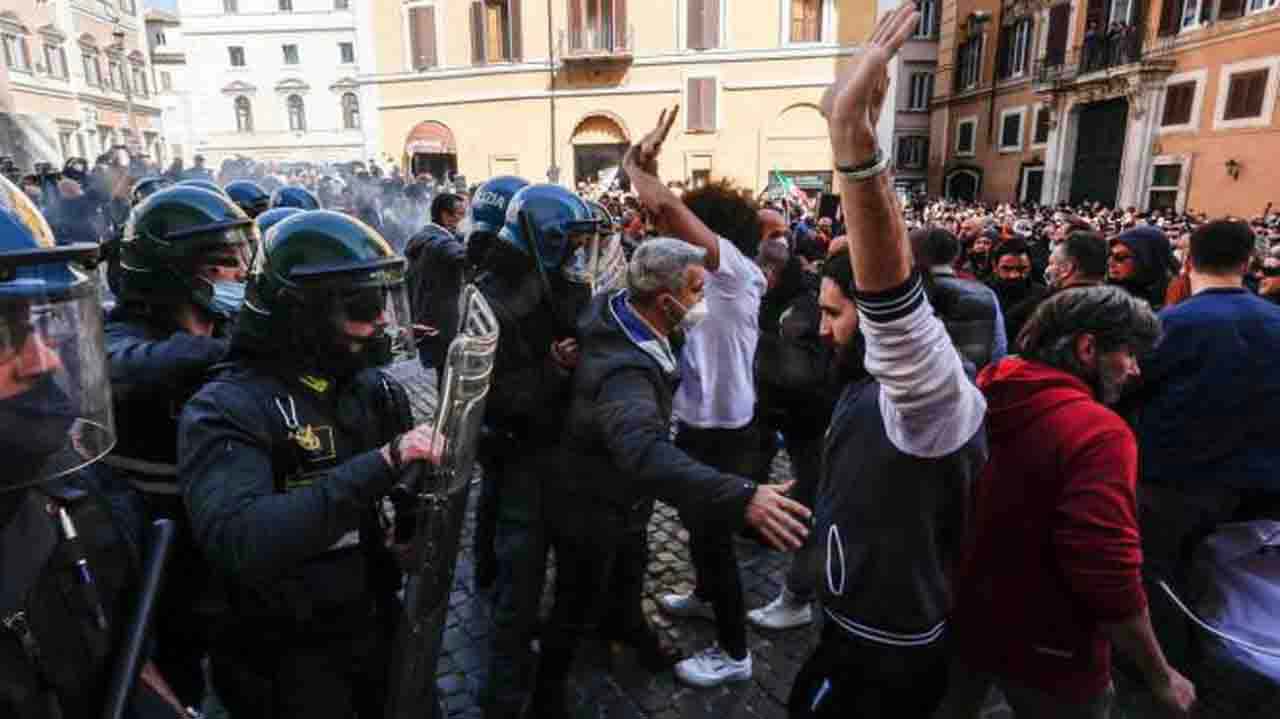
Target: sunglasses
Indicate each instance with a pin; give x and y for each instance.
(365, 305)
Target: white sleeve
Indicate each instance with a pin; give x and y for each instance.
(929, 406)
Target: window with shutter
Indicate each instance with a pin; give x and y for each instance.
(1230, 8)
(703, 24)
(701, 99)
(1055, 46)
(1170, 17)
(478, 53)
(1011, 131)
(1177, 104)
(806, 20)
(1245, 94)
(515, 30)
(1040, 135)
(422, 37)
(965, 131)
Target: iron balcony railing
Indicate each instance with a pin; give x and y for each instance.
(605, 41)
(1098, 54)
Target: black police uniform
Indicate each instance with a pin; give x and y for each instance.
(153, 372)
(59, 636)
(281, 476)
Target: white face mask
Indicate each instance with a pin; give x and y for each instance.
(693, 316)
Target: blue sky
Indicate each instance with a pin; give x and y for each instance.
(163, 4)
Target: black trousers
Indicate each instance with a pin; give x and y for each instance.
(710, 544)
(601, 556)
(850, 677)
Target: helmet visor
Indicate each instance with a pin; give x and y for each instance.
(55, 397)
(600, 265)
(386, 309)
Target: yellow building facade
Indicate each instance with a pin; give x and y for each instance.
(529, 87)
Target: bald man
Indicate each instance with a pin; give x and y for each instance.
(773, 226)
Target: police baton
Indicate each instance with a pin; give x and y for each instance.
(129, 662)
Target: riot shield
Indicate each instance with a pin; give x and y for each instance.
(437, 502)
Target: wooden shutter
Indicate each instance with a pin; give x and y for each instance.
(1245, 94)
(1231, 8)
(711, 23)
(621, 38)
(575, 19)
(697, 35)
(702, 104)
(1170, 17)
(1055, 50)
(806, 21)
(478, 54)
(516, 28)
(708, 95)
(1004, 51)
(1177, 104)
(422, 37)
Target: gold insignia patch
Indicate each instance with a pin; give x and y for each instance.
(317, 442)
(319, 385)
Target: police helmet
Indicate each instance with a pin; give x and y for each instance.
(249, 197)
(146, 187)
(294, 196)
(268, 219)
(488, 210)
(172, 238)
(208, 185)
(317, 272)
(542, 221)
(55, 398)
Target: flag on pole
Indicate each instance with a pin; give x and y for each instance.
(791, 189)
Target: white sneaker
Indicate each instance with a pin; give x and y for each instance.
(712, 667)
(686, 605)
(782, 613)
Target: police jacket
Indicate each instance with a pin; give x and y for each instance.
(436, 262)
(153, 371)
(280, 473)
(617, 439)
(54, 651)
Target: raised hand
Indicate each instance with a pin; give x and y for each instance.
(644, 154)
(852, 104)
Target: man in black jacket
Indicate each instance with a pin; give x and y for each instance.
(967, 307)
(623, 456)
(437, 257)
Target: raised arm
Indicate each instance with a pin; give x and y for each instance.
(641, 166)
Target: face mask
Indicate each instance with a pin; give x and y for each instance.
(33, 426)
(227, 299)
(693, 316)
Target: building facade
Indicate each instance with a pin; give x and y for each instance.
(170, 84)
(1167, 104)
(74, 81)
(275, 79)
(915, 74)
(561, 89)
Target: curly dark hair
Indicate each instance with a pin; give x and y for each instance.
(1114, 317)
(721, 206)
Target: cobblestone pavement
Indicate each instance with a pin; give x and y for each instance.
(609, 685)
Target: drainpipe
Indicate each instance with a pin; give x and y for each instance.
(995, 71)
(553, 172)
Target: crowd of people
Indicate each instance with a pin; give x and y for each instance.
(1006, 425)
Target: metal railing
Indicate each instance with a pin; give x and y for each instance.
(604, 41)
(1098, 54)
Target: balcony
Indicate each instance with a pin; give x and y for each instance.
(603, 45)
(1101, 60)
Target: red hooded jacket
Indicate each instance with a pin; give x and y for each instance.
(1054, 551)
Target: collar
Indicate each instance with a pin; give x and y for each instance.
(638, 332)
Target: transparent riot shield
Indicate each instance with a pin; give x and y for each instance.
(438, 498)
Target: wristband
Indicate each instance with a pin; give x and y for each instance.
(867, 170)
(397, 462)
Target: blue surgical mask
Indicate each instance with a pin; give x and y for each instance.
(227, 299)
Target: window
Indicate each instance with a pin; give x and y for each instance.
(1015, 49)
(64, 142)
(244, 114)
(806, 20)
(969, 63)
(286, 5)
(1167, 187)
(92, 69)
(290, 54)
(928, 27)
(16, 54)
(1011, 129)
(920, 91)
(1260, 5)
(115, 76)
(422, 37)
(1044, 121)
(1177, 104)
(703, 24)
(297, 114)
(350, 111)
(495, 35)
(346, 53)
(966, 130)
(237, 55)
(55, 61)
(166, 81)
(701, 100)
(1245, 94)
(1055, 43)
(139, 82)
(230, 6)
(913, 152)
(1190, 13)
(1120, 10)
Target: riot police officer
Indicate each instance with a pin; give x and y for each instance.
(67, 563)
(284, 456)
(146, 187)
(536, 304)
(203, 184)
(249, 197)
(294, 196)
(183, 262)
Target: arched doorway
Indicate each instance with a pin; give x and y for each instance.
(599, 142)
(431, 149)
(962, 185)
(797, 150)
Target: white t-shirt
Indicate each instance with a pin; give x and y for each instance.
(717, 382)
